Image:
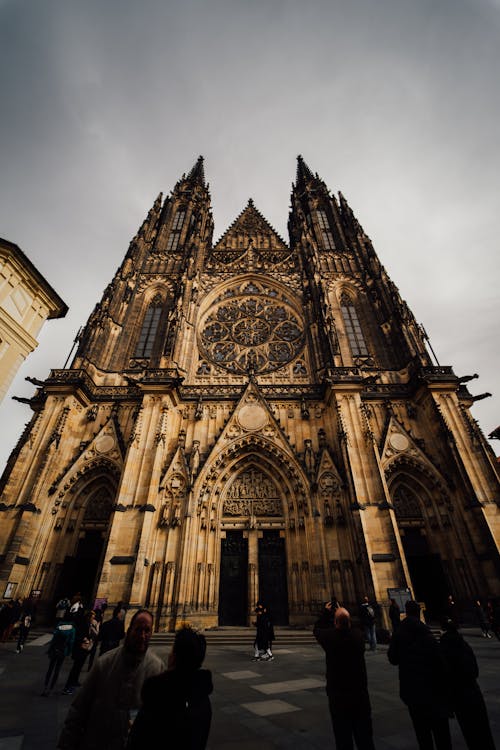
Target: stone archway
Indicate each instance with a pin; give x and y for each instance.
(86, 528)
(418, 518)
(253, 549)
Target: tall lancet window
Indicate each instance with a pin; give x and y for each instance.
(353, 328)
(149, 328)
(326, 232)
(175, 232)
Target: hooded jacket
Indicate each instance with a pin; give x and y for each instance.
(423, 678)
(176, 711)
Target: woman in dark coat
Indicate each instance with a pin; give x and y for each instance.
(176, 710)
(468, 702)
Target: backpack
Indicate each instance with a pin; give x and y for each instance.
(57, 648)
(371, 612)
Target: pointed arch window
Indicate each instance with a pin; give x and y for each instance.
(175, 233)
(353, 328)
(149, 328)
(326, 232)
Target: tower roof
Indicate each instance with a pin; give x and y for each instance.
(197, 173)
(303, 172)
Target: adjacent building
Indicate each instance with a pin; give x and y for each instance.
(26, 301)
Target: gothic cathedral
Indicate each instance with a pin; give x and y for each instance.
(250, 419)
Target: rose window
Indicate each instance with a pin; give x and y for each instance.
(251, 331)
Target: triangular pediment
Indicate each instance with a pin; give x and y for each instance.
(105, 448)
(400, 446)
(250, 237)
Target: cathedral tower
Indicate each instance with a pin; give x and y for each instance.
(251, 419)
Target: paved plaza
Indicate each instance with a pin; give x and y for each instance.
(256, 706)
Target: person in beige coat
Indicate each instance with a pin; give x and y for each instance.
(100, 716)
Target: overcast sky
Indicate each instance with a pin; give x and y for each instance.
(394, 102)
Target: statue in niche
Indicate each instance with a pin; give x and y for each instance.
(309, 458)
(194, 461)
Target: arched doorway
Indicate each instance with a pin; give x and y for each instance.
(81, 568)
(253, 549)
(425, 565)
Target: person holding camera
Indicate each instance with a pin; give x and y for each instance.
(346, 678)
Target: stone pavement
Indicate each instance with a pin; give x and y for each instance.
(256, 706)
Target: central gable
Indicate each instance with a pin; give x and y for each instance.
(251, 238)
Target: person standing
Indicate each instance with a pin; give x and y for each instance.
(346, 679)
(468, 702)
(423, 680)
(112, 631)
(177, 701)
(394, 615)
(60, 647)
(99, 717)
(367, 615)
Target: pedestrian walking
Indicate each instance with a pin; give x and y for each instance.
(367, 615)
(482, 619)
(423, 680)
(99, 717)
(394, 615)
(346, 679)
(467, 699)
(85, 635)
(264, 636)
(60, 647)
(176, 703)
(25, 622)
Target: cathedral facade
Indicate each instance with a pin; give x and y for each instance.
(247, 419)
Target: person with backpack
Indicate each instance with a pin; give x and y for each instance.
(60, 647)
(367, 616)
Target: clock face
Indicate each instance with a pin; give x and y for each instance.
(248, 329)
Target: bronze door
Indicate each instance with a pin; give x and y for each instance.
(272, 576)
(233, 588)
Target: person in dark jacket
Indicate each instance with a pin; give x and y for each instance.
(264, 636)
(482, 619)
(367, 616)
(394, 615)
(346, 679)
(112, 631)
(423, 680)
(60, 647)
(176, 710)
(468, 702)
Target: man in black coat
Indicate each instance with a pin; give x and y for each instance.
(423, 684)
(346, 680)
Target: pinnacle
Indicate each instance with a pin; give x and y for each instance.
(197, 173)
(303, 171)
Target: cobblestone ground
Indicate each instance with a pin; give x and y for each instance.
(256, 706)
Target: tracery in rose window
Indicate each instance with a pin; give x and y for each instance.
(250, 329)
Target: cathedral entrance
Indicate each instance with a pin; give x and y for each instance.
(272, 576)
(426, 571)
(233, 587)
(79, 571)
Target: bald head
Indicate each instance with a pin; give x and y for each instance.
(342, 619)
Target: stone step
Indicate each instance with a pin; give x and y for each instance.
(243, 636)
